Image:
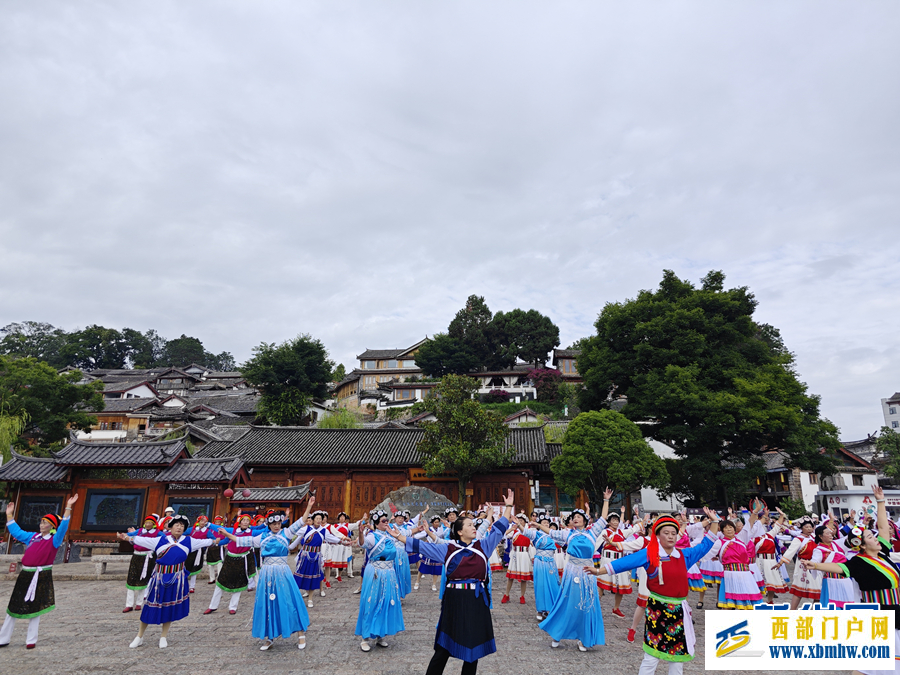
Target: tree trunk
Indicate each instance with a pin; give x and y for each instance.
(461, 497)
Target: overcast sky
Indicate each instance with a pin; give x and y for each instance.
(244, 172)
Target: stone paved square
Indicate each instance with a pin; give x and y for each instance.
(88, 633)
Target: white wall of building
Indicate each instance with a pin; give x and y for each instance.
(649, 498)
(891, 414)
(811, 490)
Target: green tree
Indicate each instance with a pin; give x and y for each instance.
(444, 355)
(289, 376)
(518, 334)
(222, 362)
(12, 426)
(888, 452)
(471, 326)
(339, 373)
(465, 439)
(33, 339)
(706, 379)
(98, 347)
(340, 418)
(184, 351)
(793, 508)
(52, 403)
(605, 449)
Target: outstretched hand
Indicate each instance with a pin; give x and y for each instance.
(878, 491)
(71, 500)
(10, 510)
(607, 494)
(509, 498)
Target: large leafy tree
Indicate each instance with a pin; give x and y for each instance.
(185, 350)
(289, 376)
(445, 355)
(465, 439)
(888, 452)
(51, 403)
(472, 328)
(35, 339)
(101, 347)
(526, 335)
(705, 378)
(603, 449)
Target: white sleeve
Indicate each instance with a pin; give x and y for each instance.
(792, 549)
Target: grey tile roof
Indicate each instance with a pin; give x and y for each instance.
(234, 404)
(566, 353)
(156, 453)
(357, 447)
(382, 353)
(126, 404)
(273, 494)
(221, 420)
(200, 470)
(119, 385)
(32, 469)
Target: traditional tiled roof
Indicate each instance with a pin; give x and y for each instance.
(126, 404)
(418, 418)
(154, 453)
(199, 470)
(32, 469)
(273, 494)
(243, 403)
(228, 419)
(524, 412)
(119, 386)
(566, 353)
(358, 447)
(895, 398)
(518, 369)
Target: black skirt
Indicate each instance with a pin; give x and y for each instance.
(233, 577)
(213, 555)
(137, 581)
(465, 628)
(194, 562)
(44, 597)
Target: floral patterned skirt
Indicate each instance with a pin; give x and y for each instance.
(664, 630)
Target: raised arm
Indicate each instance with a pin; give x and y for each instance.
(607, 495)
(884, 528)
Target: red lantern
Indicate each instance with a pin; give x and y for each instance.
(229, 493)
(246, 493)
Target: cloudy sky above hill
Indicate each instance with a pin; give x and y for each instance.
(243, 172)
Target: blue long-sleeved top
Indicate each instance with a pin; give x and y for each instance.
(639, 559)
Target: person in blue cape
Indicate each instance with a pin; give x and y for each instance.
(465, 630)
(576, 613)
(380, 613)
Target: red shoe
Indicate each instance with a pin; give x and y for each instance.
(191, 591)
(31, 646)
(209, 583)
(504, 600)
(630, 637)
(209, 611)
(618, 613)
(127, 609)
(232, 611)
(327, 585)
(137, 608)
(522, 600)
(338, 579)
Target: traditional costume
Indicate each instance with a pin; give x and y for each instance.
(237, 571)
(279, 610)
(465, 630)
(576, 614)
(520, 568)
(167, 594)
(310, 571)
(836, 588)
(33, 594)
(546, 577)
(739, 589)
(804, 584)
(621, 583)
(196, 560)
(766, 547)
(140, 568)
(214, 555)
(380, 612)
(668, 627)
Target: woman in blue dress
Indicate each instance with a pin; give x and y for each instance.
(380, 613)
(576, 613)
(465, 630)
(167, 594)
(279, 610)
(546, 578)
(401, 562)
(426, 566)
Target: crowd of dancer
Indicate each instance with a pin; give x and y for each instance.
(569, 565)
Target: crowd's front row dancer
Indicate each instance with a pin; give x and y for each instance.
(668, 628)
(168, 598)
(871, 568)
(465, 630)
(33, 594)
(279, 610)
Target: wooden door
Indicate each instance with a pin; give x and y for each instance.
(370, 489)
